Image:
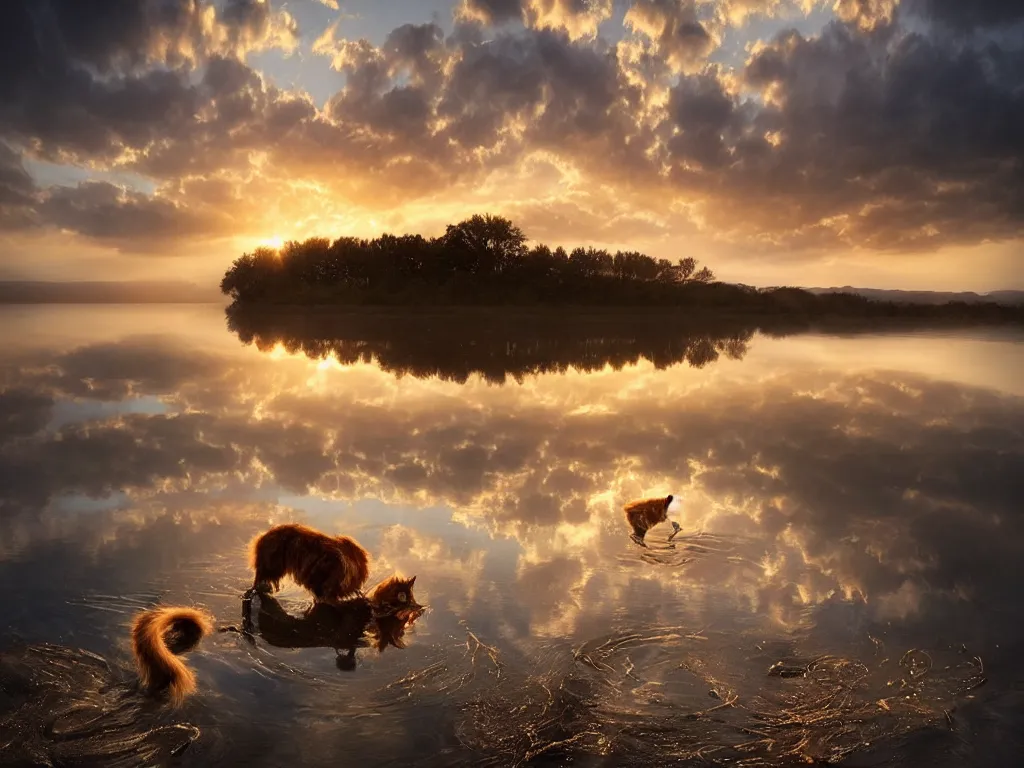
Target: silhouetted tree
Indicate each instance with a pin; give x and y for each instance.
(484, 260)
(484, 245)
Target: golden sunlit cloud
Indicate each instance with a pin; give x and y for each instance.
(752, 163)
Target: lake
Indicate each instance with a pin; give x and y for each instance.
(846, 584)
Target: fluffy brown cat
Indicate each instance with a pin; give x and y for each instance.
(644, 514)
(331, 567)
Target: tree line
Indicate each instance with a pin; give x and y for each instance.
(484, 259)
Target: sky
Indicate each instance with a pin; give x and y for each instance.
(875, 143)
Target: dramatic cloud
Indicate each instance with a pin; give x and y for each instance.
(889, 140)
(579, 18)
(88, 78)
(893, 128)
(678, 35)
(866, 14)
(108, 213)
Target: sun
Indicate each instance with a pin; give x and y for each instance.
(276, 241)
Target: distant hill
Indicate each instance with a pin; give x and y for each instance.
(929, 297)
(134, 292)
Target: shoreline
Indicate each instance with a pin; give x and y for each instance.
(898, 316)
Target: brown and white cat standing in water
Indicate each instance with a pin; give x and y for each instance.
(644, 514)
(331, 567)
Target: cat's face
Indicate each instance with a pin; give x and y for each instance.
(394, 596)
(665, 504)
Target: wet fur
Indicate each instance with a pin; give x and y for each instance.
(331, 567)
(644, 514)
(394, 597)
(158, 636)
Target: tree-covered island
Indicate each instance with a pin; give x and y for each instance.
(485, 261)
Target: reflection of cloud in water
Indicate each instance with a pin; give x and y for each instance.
(836, 505)
(832, 470)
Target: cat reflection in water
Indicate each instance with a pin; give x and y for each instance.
(160, 635)
(644, 514)
(378, 622)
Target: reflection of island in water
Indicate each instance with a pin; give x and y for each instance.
(454, 344)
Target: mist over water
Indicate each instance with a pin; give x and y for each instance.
(844, 586)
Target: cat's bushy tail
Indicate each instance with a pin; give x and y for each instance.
(157, 660)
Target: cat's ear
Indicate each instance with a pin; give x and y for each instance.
(410, 582)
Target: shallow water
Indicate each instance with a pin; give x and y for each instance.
(845, 585)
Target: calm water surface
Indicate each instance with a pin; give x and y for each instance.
(851, 508)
